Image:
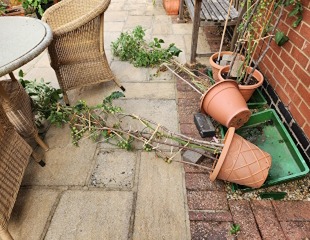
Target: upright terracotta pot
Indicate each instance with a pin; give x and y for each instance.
(172, 6)
(224, 103)
(246, 90)
(241, 162)
(216, 67)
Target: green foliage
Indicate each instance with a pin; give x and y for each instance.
(296, 10)
(280, 38)
(3, 6)
(234, 229)
(35, 4)
(43, 96)
(132, 47)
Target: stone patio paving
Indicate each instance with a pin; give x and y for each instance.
(97, 191)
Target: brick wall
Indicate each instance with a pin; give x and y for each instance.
(287, 72)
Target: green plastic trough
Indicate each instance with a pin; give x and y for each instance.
(266, 130)
(257, 100)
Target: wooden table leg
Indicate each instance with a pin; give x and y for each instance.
(181, 12)
(195, 31)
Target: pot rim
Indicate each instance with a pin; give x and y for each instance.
(228, 139)
(214, 55)
(259, 80)
(213, 86)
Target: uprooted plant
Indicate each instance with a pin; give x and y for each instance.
(43, 97)
(107, 123)
(132, 47)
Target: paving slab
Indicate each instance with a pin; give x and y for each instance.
(207, 200)
(31, 212)
(114, 169)
(242, 215)
(210, 230)
(47, 73)
(296, 230)
(115, 16)
(288, 211)
(113, 27)
(161, 201)
(133, 21)
(68, 165)
(266, 220)
(92, 215)
(110, 37)
(161, 111)
(126, 72)
(202, 45)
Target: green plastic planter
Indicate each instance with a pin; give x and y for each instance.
(257, 100)
(266, 130)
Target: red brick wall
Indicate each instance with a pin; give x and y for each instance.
(287, 68)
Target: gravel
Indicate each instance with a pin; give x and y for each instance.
(296, 190)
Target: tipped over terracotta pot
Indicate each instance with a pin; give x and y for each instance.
(225, 104)
(241, 162)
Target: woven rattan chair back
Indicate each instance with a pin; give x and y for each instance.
(14, 156)
(77, 50)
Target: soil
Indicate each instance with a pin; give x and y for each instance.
(252, 81)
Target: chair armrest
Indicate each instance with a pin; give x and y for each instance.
(68, 15)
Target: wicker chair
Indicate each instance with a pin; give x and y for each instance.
(14, 156)
(17, 105)
(77, 50)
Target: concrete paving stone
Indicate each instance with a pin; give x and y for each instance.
(210, 230)
(212, 216)
(171, 38)
(31, 213)
(155, 10)
(115, 16)
(126, 72)
(65, 166)
(161, 201)
(133, 21)
(58, 137)
(150, 90)
(116, 6)
(110, 37)
(113, 27)
(160, 111)
(266, 220)
(114, 169)
(242, 215)
(47, 73)
(183, 28)
(92, 215)
(202, 45)
(154, 76)
(162, 25)
(207, 200)
(92, 94)
(202, 182)
(296, 230)
(288, 211)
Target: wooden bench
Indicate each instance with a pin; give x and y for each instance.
(209, 13)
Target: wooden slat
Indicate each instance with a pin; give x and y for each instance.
(190, 7)
(233, 12)
(223, 10)
(210, 8)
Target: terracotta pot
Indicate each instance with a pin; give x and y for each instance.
(172, 6)
(241, 162)
(216, 67)
(224, 103)
(246, 90)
